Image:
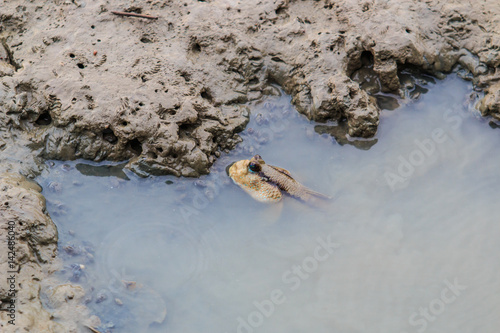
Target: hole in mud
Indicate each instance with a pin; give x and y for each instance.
(152, 155)
(73, 100)
(366, 58)
(280, 11)
(44, 119)
(174, 155)
(109, 135)
(196, 48)
(186, 76)
(186, 128)
(72, 55)
(80, 65)
(206, 94)
(159, 149)
(134, 9)
(408, 31)
(253, 81)
(141, 104)
(146, 40)
(124, 123)
(92, 26)
(277, 59)
(136, 146)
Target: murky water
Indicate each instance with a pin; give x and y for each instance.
(409, 243)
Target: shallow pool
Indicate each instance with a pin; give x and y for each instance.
(409, 242)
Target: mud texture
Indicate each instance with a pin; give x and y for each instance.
(28, 244)
(167, 94)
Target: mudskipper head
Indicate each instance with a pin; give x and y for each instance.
(245, 167)
(257, 159)
(239, 169)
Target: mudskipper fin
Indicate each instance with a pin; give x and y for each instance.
(317, 194)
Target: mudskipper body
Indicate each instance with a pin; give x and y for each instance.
(267, 183)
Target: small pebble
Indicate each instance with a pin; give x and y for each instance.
(101, 297)
(130, 285)
(55, 187)
(200, 183)
(66, 167)
(261, 120)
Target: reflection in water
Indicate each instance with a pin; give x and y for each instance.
(340, 133)
(493, 124)
(106, 170)
(413, 83)
(386, 102)
(410, 243)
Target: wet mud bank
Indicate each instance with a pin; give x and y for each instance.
(28, 242)
(167, 94)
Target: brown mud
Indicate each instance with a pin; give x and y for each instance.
(167, 95)
(27, 258)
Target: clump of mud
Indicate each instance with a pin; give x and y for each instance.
(167, 94)
(28, 248)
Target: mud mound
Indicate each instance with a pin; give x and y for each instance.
(80, 82)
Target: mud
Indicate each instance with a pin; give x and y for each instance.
(28, 241)
(167, 95)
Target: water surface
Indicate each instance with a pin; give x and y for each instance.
(408, 244)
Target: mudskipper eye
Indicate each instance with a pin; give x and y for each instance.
(254, 167)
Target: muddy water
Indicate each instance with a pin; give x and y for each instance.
(408, 244)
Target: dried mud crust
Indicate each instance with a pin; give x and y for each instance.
(80, 82)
